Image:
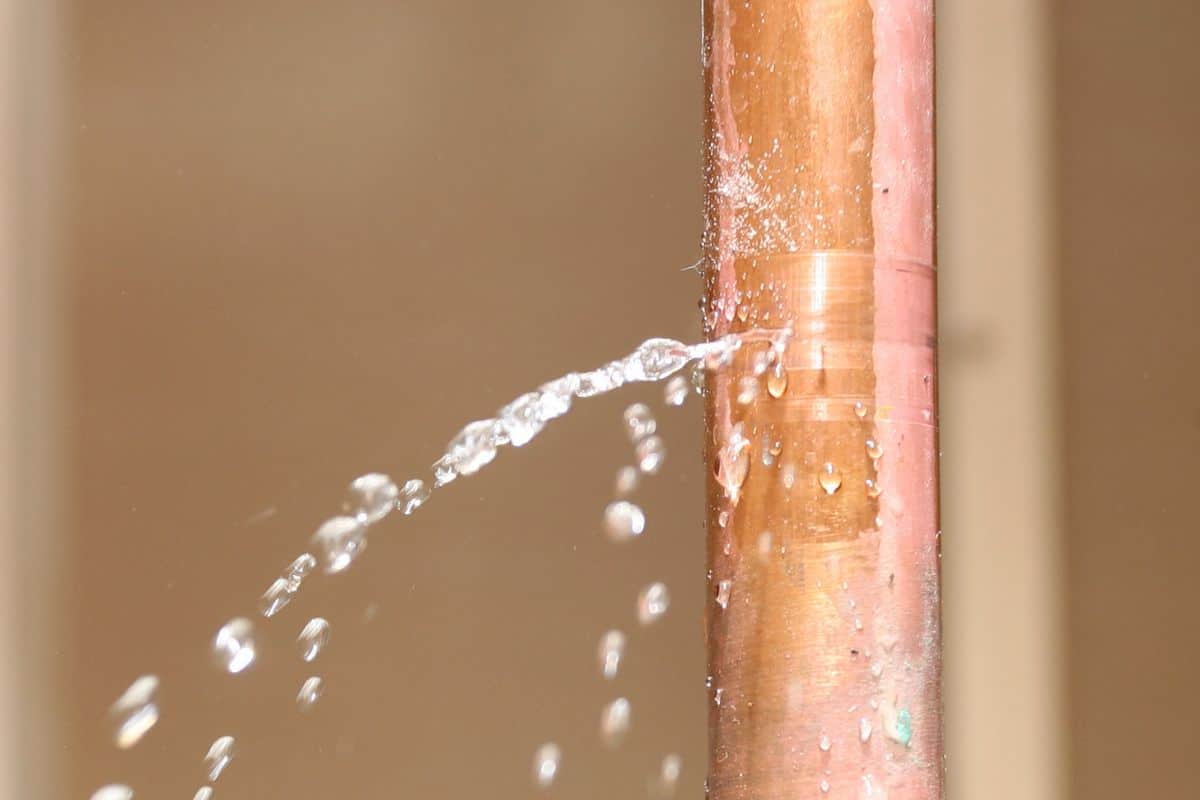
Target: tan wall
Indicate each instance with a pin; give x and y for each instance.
(1128, 243)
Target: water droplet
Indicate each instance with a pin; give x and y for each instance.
(521, 419)
(860, 410)
(277, 595)
(830, 478)
(653, 602)
(313, 638)
(874, 449)
(615, 721)
(545, 764)
(413, 496)
(135, 712)
(218, 757)
(203, 793)
(824, 786)
(824, 743)
(733, 462)
(370, 498)
(639, 422)
(627, 481)
(612, 650)
(298, 570)
(675, 393)
(310, 692)
(722, 521)
(623, 520)
(475, 446)
(873, 489)
(777, 380)
(113, 791)
(747, 390)
(668, 775)
(876, 669)
(650, 454)
(338, 542)
(864, 729)
(233, 646)
(655, 359)
(723, 588)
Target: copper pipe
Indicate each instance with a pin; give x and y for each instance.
(823, 632)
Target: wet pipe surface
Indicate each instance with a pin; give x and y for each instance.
(824, 641)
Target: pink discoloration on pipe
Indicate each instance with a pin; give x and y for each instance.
(825, 663)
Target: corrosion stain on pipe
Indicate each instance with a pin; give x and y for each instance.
(824, 652)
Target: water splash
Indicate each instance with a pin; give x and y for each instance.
(370, 498)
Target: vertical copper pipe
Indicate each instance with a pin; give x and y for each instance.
(823, 634)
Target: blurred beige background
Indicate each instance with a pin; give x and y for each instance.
(252, 249)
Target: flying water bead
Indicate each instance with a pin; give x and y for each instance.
(277, 595)
(650, 454)
(338, 542)
(113, 791)
(627, 481)
(298, 570)
(234, 647)
(412, 496)
(864, 730)
(310, 692)
(545, 764)
(135, 712)
(639, 422)
(313, 638)
(219, 755)
(653, 602)
(371, 497)
(611, 651)
(623, 520)
(668, 775)
(203, 793)
(675, 393)
(615, 721)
